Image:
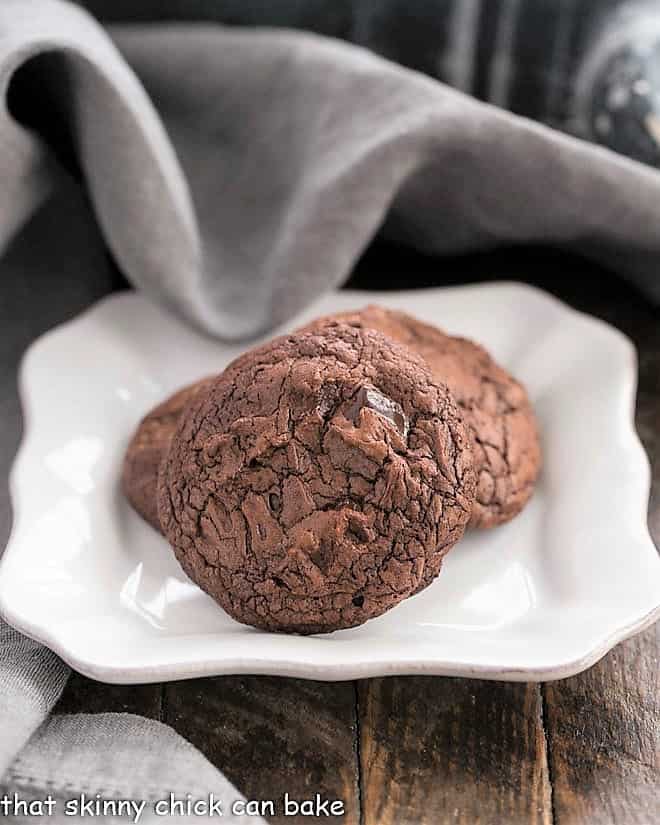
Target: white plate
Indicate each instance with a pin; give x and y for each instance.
(540, 598)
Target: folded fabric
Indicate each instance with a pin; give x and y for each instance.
(235, 175)
(83, 762)
(282, 154)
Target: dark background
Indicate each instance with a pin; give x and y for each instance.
(545, 40)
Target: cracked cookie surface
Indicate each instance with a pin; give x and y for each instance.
(318, 482)
(145, 451)
(496, 408)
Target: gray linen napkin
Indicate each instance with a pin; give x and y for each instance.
(247, 178)
(284, 153)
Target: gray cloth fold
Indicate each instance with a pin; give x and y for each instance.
(126, 759)
(71, 759)
(290, 152)
(234, 175)
(31, 681)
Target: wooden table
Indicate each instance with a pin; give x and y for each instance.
(400, 750)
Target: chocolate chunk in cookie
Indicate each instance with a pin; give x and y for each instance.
(150, 442)
(318, 482)
(495, 406)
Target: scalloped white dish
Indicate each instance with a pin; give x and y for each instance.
(540, 598)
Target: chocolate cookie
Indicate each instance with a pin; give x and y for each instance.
(318, 482)
(507, 453)
(150, 442)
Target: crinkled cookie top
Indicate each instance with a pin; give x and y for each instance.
(318, 482)
(496, 408)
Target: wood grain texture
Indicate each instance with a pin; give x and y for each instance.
(604, 738)
(270, 735)
(437, 751)
(84, 695)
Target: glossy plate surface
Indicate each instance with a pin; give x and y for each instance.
(540, 598)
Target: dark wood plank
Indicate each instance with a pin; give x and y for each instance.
(604, 738)
(272, 735)
(83, 695)
(435, 751)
